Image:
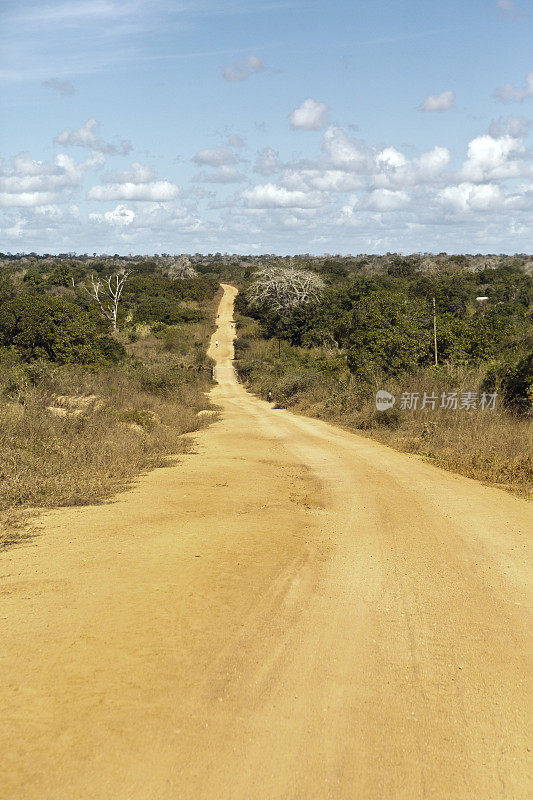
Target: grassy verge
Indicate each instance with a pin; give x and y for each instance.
(492, 446)
(72, 435)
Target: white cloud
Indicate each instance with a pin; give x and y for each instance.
(396, 201)
(269, 195)
(49, 212)
(348, 210)
(25, 199)
(153, 192)
(119, 217)
(327, 180)
(150, 220)
(433, 162)
(387, 200)
(489, 159)
(138, 173)
(223, 159)
(348, 164)
(139, 182)
(16, 230)
(390, 157)
(310, 116)
(223, 174)
(471, 197)
(267, 162)
(27, 182)
(63, 88)
(393, 169)
(243, 69)
(517, 127)
(86, 136)
(343, 152)
(509, 92)
(215, 157)
(439, 102)
(95, 161)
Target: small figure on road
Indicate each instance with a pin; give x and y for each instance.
(216, 342)
(269, 396)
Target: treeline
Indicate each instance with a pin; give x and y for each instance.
(382, 326)
(47, 310)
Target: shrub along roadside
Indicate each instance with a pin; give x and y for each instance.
(75, 434)
(54, 329)
(492, 446)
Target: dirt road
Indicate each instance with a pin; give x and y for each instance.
(291, 612)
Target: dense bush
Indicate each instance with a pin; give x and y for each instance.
(518, 386)
(54, 329)
(164, 310)
(152, 297)
(383, 323)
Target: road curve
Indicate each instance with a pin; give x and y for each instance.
(291, 612)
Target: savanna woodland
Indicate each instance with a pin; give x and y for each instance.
(87, 405)
(104, 364)
(450, 337)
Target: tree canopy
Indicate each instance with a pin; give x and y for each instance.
(54, 329)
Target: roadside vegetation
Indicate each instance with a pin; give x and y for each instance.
(85, 406)
(367, 332)
(84, 409)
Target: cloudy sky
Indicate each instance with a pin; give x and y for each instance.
(266, 126)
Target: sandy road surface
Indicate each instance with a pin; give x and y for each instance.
(293, 612)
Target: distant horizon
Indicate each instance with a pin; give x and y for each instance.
(422, 253)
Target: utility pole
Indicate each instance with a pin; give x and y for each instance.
(435, 331)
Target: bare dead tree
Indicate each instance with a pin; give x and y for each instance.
(107, 294)
(181, 268)
(282, 288)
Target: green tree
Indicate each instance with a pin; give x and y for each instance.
(54, 329)
(518, 386)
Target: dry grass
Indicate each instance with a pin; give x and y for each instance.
(71, 435)
(492, 446)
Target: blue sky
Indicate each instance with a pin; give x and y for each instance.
(267, 127)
